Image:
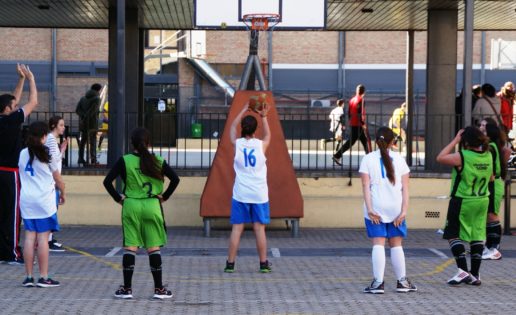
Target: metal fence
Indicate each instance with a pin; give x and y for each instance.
(188, 141)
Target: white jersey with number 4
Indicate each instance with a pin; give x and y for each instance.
(37, 196)
(251, 172)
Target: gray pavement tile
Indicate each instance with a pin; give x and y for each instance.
(299, 284)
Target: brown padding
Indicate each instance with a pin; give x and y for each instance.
(284, 194)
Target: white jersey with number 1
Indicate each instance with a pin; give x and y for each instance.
(37, 196)
(250, 172)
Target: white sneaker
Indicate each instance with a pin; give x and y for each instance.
(461, 277)
(491, 254)
(322, 144)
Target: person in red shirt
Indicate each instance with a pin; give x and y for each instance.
(357, 122)
(506, 95)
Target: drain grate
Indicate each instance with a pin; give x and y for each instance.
(432, 214)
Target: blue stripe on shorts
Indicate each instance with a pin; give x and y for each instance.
(386, 230)
(42, 225)
(242, 212)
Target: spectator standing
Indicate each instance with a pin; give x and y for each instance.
(336, 125)
(488, 105)
(11, 120)
(358, 125)
(88, 110)
(507, 100)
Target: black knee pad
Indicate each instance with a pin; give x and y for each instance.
(477, 247)
(128, 260)
(458, 249)
(155, 260)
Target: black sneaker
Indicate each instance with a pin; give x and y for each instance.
(375, 288)
(404, 285)
(230, 267)
(54, 246)
(474, 280)
(28, 282)
(124, 293)
(336, 161)
(265, 267)
(47, 283)
(162, 293)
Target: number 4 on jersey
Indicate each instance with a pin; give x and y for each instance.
(29, 169)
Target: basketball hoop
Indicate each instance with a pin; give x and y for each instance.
(261, 21)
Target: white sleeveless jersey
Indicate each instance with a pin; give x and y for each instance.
(251, 172)
(38, 195)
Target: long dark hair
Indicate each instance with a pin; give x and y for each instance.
(249, 125)
(53, 122)
(384, 137)
(37, 130)
(472, 137)
(149, 164)
(498, 137)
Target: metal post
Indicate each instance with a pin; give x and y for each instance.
(409, 94)
(120, 78)
(467, 71)
(53, 97)
(340, 58)
(483, 58)
(269, 53)
(507, 207)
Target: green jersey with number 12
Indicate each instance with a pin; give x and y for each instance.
(471, 181)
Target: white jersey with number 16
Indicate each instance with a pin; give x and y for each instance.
(250, 172)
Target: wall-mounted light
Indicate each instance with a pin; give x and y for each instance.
(367, 10)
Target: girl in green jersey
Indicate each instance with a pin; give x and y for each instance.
(143, 224)
(467, 211)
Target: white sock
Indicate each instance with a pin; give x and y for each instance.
(50, 237)
(378, 258)
(398, 261)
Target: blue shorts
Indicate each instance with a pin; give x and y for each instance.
(242, 212)
(386, 230)
(42, 225)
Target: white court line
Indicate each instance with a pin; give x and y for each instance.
(438, 253)
(113, 251)
(275, 252)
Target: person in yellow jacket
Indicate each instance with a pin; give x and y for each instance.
(397, 120)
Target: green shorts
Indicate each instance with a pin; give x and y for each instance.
(496, 193)
(466, 219)
(142, 223)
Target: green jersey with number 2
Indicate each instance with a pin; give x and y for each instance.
(472, 180)
(138, 185)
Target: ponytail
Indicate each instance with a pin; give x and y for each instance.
(384, 137)
(149, 164)
(37, 130)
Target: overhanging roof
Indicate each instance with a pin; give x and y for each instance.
(178, 14)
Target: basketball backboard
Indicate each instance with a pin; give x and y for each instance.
(503, 54)
(227, 14)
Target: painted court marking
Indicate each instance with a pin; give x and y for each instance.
(438, 253)
(113, 251)
(275, 252)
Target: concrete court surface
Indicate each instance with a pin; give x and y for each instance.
(321, 272)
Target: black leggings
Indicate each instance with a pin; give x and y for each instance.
(356, 134)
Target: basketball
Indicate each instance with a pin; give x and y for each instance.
(256, 102)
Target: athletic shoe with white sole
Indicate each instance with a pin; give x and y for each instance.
(28, 282)
(47, 283)
(461, 277)
(162, 293)
(474, 280)
(124, 293)
(375, 288)
(491, 254)
(404, 285)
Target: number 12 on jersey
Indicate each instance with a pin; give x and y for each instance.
(250, 159)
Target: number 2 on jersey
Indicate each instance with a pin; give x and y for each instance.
(249, 159)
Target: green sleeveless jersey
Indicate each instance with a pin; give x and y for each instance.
(471, 181)
(495, 155)
(138, 185)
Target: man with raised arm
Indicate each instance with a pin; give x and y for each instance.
(11, 120)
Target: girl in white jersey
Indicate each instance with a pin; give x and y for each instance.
(250, 202)
(385, 178)
(57, 127)
(39, 178)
